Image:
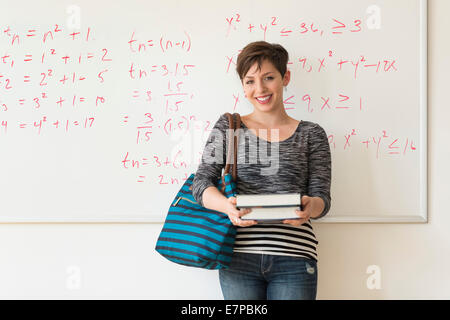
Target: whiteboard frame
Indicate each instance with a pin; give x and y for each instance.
(421, 217)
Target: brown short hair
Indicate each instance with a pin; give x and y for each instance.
(258, 52)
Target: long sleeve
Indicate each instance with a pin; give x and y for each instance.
(213, 160)
(319, 167)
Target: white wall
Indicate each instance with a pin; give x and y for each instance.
(119, 261)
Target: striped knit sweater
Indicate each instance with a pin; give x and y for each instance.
(300, 163)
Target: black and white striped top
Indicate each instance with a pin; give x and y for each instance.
(300, 163)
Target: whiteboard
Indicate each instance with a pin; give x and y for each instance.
(105, 107)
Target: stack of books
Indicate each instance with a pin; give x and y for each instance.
(269, 207)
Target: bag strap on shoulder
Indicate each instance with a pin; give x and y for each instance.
(232, 146)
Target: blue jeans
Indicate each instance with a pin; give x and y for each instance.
(254, 276)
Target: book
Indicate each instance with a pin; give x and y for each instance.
(271, 214)
(269, 207)
(268, 200)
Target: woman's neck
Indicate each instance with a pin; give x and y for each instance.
(271, 120)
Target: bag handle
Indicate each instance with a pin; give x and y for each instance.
(232, 147)
(236, 144)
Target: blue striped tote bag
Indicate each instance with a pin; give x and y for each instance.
(196, 236)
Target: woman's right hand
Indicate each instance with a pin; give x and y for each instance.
(235, 214)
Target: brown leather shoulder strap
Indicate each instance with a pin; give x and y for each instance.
(229, 147)
(232, 145)
(236, 144)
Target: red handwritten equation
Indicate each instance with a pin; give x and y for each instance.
(311, 104)
(44, 50)
(146, 126)
(160, 162)
(57, 125)
(334, 27)
(382, 144)
(163, 44)
(358, 65)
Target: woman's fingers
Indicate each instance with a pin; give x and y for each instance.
(237, 221)
(236, 214)
(298, 222)
(243, 212)
(245, 223)
(295, 223)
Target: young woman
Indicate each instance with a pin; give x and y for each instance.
(270, 261)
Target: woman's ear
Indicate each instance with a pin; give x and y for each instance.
(286, 78)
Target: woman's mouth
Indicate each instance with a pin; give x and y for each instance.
(264, 99)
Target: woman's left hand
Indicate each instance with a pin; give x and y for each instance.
(312, 207)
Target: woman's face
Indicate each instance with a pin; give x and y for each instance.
(264, 87)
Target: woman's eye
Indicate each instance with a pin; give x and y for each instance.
(266, 78)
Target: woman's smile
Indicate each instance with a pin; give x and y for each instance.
(264, 99)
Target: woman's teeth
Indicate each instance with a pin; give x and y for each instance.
(264, 99)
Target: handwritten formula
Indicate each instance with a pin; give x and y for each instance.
(59, 81)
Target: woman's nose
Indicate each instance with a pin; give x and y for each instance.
(260, 86)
